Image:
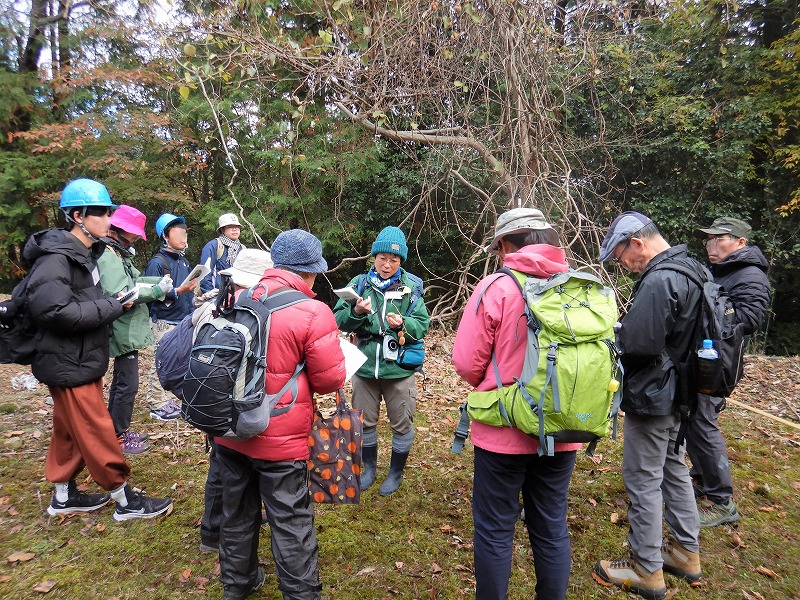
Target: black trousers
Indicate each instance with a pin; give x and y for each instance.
(283, 488)
(212, 513)
(122, 393)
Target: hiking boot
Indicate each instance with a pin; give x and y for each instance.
(717, 514)
(261, 578)
(209, 548)
(77, 502)
(680, 561)
(629, 575)
(133, 446)
(140, 506)
(169, 412)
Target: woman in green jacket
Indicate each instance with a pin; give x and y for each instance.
(130, 332)
(389, 316)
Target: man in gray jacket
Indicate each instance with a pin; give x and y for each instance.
(742, 271)
(659, 325)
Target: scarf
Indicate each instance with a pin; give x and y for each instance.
(233, 247)
(381, 283)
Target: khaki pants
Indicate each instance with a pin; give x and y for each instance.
(156, 396)
(83, 435)
(400, 396)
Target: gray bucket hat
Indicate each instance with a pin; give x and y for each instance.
(622, 229)
(517, 220)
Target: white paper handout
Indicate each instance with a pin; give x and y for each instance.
(347, 294)
(198, 272)
(353, 358)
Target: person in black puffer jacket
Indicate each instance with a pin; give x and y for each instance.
(72, 355)
(742, 271)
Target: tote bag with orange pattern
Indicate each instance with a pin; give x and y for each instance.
(334, 464)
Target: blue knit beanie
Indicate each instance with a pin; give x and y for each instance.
(298, 250)
(391, 240)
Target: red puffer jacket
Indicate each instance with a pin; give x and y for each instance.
(305, 331)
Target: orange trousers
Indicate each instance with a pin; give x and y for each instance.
(83, 436)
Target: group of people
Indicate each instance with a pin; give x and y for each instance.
(658, 325)
(76, 292)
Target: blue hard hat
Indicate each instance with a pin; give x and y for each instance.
(85, 192)
(165, 221)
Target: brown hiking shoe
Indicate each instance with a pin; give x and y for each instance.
(628, 574)
(681, 562)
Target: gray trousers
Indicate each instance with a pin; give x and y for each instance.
(706, 447)
(400, 396)
(654, 476)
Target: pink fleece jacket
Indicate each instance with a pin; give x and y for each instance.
(498, 322)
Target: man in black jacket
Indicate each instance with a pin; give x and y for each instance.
(742, 271)
(72, 355)
(658, 325)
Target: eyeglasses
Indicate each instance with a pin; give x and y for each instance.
(618, 258)
(715, 240)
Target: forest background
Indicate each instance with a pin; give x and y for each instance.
(344, 116)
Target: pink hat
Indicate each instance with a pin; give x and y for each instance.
(129, 219)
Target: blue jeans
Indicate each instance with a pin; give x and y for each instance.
(544, 481)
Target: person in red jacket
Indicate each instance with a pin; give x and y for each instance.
(271, 467)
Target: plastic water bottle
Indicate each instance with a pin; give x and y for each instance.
(707, 367)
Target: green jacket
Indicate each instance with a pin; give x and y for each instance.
(371, 328)
(131, 331)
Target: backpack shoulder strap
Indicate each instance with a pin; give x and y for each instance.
(167, 268)
(361, 284)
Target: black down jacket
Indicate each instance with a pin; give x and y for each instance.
(660, 322)
(743, 274)
(67, 304)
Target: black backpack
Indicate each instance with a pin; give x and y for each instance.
(716, 322)
(223, 391)
(18, 330)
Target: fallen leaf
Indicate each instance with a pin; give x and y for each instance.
(614, 518)
(752, 595)
(5, 578)
(20, 557)
(592, 501)
(45, 586)
(14, 433)
(766, 571)
(399, 565)
(365, 571)
(100, 527)
(185, 575)
(766, 509)
(436, 568)
(737, 541)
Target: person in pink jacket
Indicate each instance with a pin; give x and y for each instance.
(506, 460)
(272, 465)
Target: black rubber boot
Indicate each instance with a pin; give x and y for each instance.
(395, 476)
(369, 460)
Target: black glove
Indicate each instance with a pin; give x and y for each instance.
(9, 310)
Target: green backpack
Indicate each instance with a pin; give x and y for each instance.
(569, 388)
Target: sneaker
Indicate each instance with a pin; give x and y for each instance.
(136, 436)
(130, 445)
(629, 575)
(169, 412)
(261, 577)
(77, 502)
(681, 562)
(141, 507)
(717, 514)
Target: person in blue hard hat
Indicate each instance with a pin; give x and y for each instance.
(72, 355)
(167, 312)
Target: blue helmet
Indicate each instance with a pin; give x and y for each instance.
(165, 221)
(85, 192)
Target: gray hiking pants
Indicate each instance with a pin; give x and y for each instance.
(654, 476)
(706, 447)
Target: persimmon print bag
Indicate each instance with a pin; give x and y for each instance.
(334, 464)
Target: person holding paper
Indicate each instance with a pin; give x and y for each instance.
(386, 313)
(166, 313)
(131, 332)
(220, 253)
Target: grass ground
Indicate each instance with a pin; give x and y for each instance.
(415, 544)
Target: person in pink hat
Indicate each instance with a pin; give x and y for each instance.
(130, 332)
